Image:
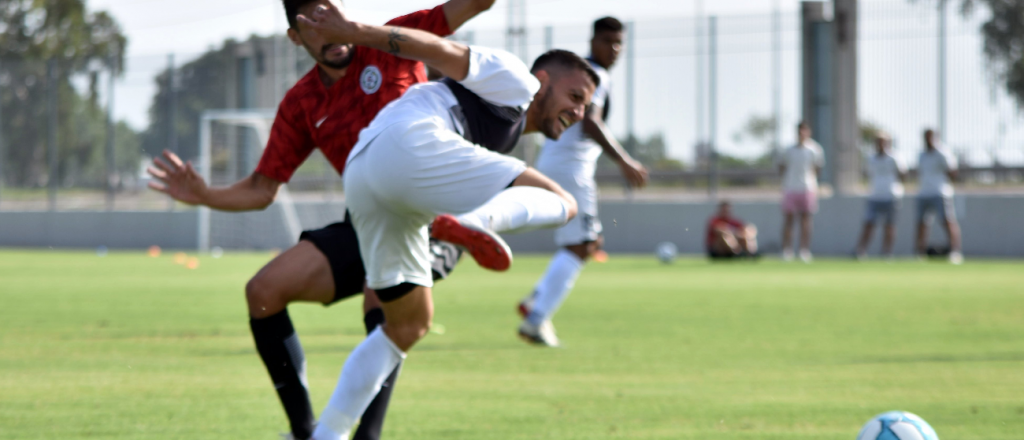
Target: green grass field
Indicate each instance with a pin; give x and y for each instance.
(132, 347)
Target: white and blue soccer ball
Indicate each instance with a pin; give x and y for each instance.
(897, 425)
(666, 252)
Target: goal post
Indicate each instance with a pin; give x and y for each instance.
(260, 122)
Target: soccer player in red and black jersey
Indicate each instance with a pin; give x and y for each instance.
(326, 109)
(728, 237)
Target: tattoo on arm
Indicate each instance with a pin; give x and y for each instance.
(395, 37)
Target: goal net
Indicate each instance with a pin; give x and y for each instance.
(231, 143)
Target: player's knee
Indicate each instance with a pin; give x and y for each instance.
(405, 334)
(262, 298)
(571, 209)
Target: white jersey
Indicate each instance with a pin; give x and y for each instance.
(932, 169)
(800, 162)
(495, 76)
(574, 154)
(884, 171)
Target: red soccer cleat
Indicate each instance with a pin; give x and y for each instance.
(486, 247)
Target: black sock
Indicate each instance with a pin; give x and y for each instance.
(279, 347)
(372, 422)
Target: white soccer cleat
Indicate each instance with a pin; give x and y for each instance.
(956, 258)
(805, 255)
(543, 334)
(787, 255)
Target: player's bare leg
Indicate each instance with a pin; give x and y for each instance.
(787, 236)
(303, 274)
(748, 239)
(300, 273)
(865, 238)
(888, 239)
(725, 242)
(921, 241)
(806, 226)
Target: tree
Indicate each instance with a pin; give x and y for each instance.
(1003, 36)
(79, 43)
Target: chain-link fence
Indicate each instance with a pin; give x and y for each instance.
(685, 91)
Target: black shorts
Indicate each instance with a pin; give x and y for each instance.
(339, 244)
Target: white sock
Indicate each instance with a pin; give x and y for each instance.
(556, 284)
(519, 209)
(361, 377)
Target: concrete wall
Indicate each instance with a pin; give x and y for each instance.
(991, 227)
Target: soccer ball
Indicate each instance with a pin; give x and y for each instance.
(897, 425)
(666, 252)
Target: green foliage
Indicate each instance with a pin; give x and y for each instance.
(79, 43)
(132, 347)
(652, 152)
(1003, 35)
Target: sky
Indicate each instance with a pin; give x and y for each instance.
(897, 76)
(186, 28)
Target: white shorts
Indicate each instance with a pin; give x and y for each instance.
(585, 226)
(406, 176)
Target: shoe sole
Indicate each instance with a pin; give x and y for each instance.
(486, 247)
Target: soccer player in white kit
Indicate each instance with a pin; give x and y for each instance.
(936, 168)
(415, 161)
(571, 161)
(887, 173)
(800, 166)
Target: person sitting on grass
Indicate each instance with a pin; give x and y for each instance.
(728, 237)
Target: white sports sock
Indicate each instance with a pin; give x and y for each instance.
(519, 209)
(556, 284)
(365, 370)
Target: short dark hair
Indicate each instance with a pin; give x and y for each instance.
(608, 24)
(802, 125)
(567, 60)
(291, 9)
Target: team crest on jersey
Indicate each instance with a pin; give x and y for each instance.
(370, 80)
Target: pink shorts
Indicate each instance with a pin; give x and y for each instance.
(800, 202)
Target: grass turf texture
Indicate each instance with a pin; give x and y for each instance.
(128, 346)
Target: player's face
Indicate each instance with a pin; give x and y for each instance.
(881, 145)
(564, 102)
(330, 54)
(605, 47)
(725, 210)
(804, 133)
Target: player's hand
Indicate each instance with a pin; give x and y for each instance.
(177, 179)
(329, 21)
(634, 172)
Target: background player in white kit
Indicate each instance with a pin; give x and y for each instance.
(416, 160)
(800, 166)
(936, 168)
(572, 161)
(887, 174)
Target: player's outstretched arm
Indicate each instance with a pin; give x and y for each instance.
(634, 172)
(448, 57)
(182, 182)
(458, 12)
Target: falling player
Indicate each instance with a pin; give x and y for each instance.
(420, 157)
(325, 265)
(572, 161)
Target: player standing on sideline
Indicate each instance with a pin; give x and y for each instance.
(571, 161)
(887, 174)
(800, 166)
(416, 160)
(326, 109)
(936, 168)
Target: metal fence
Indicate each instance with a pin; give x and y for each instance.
(682, 86)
